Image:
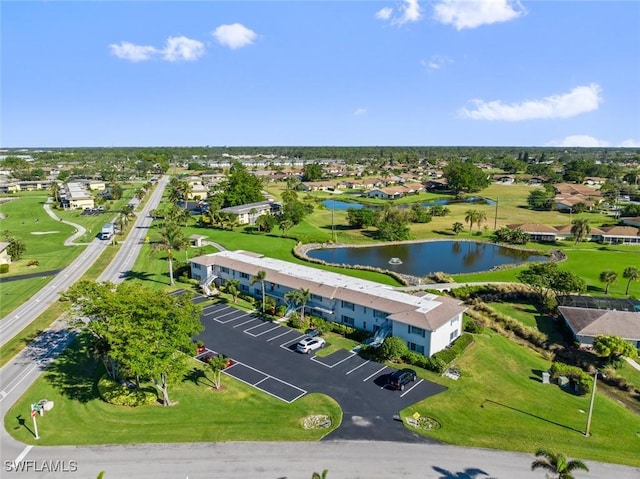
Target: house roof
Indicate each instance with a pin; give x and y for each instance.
(534, 228)
(620, 231)
(592, 322)
(428, 312)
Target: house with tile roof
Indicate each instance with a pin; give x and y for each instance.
(426, 322)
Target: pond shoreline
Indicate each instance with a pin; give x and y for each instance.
(300, 251)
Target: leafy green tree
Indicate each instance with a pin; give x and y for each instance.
(116, 190)
(16, 246)
(285, 225)
(613, 348)
(362, 218)
(232, 287)
(580, 229)
(260, 277)
(540, 199)
(630, 273)
(392, 348)
(136, 330)
(266, 223)
(171, 239)
(550, 282)
(420, 213)
(312, 172)
(240, 187)
(465, 176)
(557, 464)
(608, 277)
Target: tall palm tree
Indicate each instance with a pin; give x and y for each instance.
(55, 190)
(304, 296)
(557, 464)
(580, 229)
(317, 475)
(471, 217)
(608, 277)
(259, 277)
(171, 239)
(481, 218)
(632, 274)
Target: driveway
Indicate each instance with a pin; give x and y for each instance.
(265, 355)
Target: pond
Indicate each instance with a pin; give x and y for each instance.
(423, 258)
(343, 205)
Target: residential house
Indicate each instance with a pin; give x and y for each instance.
(569, 195)
(319, 186)
(617, 235)
(249, 213)
(631, 221)
(587, 323)
(537, 231)
(5, 258)
(427, 323)
(75, 195)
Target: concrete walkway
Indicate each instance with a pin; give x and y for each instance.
(633, 363)
(445, 286)
(80, 230)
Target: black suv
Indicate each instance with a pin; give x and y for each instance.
(398, 379)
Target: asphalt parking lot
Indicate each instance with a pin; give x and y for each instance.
(264, 356)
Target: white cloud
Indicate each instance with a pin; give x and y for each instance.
(473, 13)
(630, 143)
(182, 49)
(133, 53)
(580, 100)
(360, 111)
(234, 36)
(584, 141)
(384, 13)
(436, 62)
(409, 12)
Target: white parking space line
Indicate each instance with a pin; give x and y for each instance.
(377, 372)
(229, 314)
(280, 335)
(335, 364)
(358, 367)
(263, 332)
(267, 376)
(214, 307)
(246, 322)
(409, 390)
(252, 327)
(290, 342)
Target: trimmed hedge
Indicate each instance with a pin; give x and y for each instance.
(456, 350)
(114, 393)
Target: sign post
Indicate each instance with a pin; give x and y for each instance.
(34, 413)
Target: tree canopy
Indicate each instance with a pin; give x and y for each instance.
(465, 176)
(240, 187)
(138, 332)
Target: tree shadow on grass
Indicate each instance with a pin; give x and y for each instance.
(195, 376)
(75, 374)
(529, 414)
(141, 276)
(469, 473)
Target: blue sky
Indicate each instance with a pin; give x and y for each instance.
(341, 73)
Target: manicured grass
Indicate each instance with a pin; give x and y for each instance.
(501, 403)
(523, 312)
(236, 413)
(630, 374)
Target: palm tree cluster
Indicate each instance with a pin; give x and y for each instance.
(557, 464)
(476, 217)
(609, 277)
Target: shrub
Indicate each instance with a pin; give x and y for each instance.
(121, 395)
(456, 349)
(33, 262)
(4, 268)
(577, 376)
(393, 348)
(472, 326)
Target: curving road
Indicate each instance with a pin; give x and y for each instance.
(343, 459)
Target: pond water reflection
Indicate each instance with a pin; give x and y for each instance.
(344, 205)
(420, 259)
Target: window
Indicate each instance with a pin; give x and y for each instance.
(416, 330)
(224, 270)
(416, 348)
(453, 335)
(364, 325)
(347, 320)
(315, 297)
(453, 321)
(348, 305)
(244, 275)
(379, 314)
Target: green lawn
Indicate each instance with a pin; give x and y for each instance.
(236, 413)
(500, 403)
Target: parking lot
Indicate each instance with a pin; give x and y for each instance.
(265, 357)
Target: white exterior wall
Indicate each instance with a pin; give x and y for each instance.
(441, 338)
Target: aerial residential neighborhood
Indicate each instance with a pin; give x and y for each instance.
(320, 239)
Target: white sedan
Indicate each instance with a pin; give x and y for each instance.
(310, 344)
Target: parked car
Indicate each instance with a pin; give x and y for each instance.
(400, 378)
(307, 345)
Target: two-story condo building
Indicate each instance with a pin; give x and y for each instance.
(426, 322)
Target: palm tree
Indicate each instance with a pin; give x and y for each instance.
(481, 218)
(171, 239)
(457, 227)
(632, 274)
(557, 464)
(304, 296)
(259, 277)
(55, 191)
(580, 229)
(608, 277)
(471, 217)
(317, 475)
(232, 286)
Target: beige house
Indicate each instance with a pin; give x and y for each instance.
(4, 255)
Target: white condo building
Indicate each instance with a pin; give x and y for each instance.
(426, 322)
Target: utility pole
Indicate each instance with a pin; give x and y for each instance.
(593, 396)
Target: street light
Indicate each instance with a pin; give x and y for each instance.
(593, 396)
